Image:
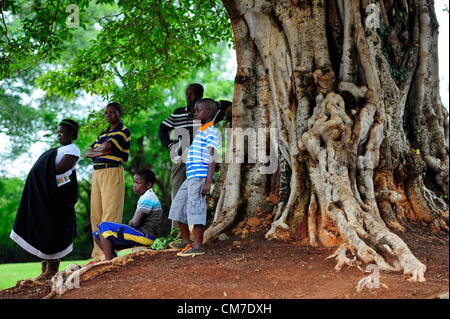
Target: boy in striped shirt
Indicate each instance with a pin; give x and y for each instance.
(108, 153)
(189, 204)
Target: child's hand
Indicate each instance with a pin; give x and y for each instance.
(206, 188)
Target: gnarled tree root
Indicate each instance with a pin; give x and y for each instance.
(280, 218)
(75, 274)
(229, 202)
(360, 227)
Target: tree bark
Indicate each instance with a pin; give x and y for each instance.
(362, 133)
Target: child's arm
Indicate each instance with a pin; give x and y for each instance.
(138, 218)
(211, 169)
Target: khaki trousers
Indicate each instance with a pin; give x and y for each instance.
(107, 200)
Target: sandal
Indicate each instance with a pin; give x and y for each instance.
(190, 251)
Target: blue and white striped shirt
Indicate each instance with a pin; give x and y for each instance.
(149, 201)
(198, 156)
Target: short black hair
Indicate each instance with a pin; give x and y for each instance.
(212, 105)
(197, 88)
(116, 105)
(72, 126)
(147, 175)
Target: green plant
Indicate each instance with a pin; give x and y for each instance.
(399, 74)
(163, 242)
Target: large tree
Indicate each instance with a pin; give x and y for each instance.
(351, 88)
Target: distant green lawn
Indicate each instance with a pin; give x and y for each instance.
(10, 274)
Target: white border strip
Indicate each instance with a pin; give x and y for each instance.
(22, 243)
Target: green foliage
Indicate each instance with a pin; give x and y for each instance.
(10, 192)
(163, 242)
(398, 72)
(400, 75)
(127, 51)
(9, 201)
(23, 113)
(36, 34)
(17, 120)
(141, 48)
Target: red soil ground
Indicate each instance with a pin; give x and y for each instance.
(257, 268)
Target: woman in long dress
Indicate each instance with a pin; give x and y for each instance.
(45, 223)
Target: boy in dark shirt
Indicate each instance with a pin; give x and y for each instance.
(142, 228)
(108, 153)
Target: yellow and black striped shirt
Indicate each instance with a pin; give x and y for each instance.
(119, 138)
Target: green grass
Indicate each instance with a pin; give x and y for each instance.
(10, 274)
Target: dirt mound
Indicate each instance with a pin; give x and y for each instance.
(253, 267)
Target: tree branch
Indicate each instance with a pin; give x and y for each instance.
(5, 33)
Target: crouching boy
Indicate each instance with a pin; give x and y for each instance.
(141, 229)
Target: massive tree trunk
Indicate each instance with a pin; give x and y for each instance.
(353, 91)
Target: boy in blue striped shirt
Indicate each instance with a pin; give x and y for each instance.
(189, 204)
